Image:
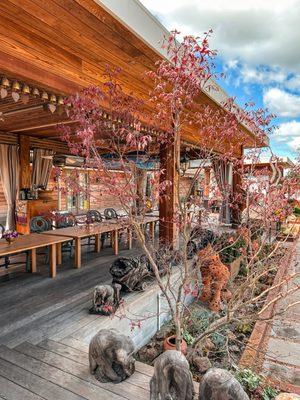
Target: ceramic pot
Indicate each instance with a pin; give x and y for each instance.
(169, 344)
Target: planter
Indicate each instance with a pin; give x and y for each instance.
(169, 344)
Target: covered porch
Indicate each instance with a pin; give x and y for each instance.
(57, 61)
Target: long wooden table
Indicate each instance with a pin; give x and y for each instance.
(97, 229)
(31, 243)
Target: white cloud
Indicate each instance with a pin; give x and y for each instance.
(262, 75)
(253, 31)
(282, 103)
(289, 133)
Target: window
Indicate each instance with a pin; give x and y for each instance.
(79, 201)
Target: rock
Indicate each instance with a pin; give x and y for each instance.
(287, 396)
(148, 354)
(202, 364)
(197, 360)
(219, 384)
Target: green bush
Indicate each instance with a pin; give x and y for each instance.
(248, 379)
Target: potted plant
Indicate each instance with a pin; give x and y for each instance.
(10, 236)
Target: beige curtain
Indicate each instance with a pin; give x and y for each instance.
(9, 174)
(41, 167)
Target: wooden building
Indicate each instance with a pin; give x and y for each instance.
(54, 48)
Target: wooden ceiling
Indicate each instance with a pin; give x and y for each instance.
(63, 46)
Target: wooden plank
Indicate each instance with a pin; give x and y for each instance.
(126, 389)
(32, 382)
(78, 352)
(78, 387)
(49, 325)
(81, 356)
(10, 391)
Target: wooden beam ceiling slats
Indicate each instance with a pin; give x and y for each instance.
(64, 45)
(25, 70)
(136, 78)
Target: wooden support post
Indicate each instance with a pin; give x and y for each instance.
(97, 243)
(168, 201)
(152, 230)
(238, 201)
(115, 235)
(77, 253)
(206, 182)
(129, 238)
(25, 174)
(53, 260)
(59, 254)
(33, 260)
(141, 181)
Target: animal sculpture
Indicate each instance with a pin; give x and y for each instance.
(172, 379)
(110, 356)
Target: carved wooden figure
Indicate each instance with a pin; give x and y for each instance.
(219, 384)
(215, 276)
(110, 356)
(172, 379)
(106, 299)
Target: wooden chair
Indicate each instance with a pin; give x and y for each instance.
(110, 213)
(41, 224)
(66, 220)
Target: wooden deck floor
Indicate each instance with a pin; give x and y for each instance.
(45, 329)
(39, 357)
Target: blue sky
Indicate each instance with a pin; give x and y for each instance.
(258, 48)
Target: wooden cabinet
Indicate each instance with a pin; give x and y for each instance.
(26, 209)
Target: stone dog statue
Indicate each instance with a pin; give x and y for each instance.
(110, 356)
(106, 299)
(172, 379)
(219, 384)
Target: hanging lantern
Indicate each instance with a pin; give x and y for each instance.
(60, 101)
(45, 96)
(16, 86)
(36, 92)
(5, 82)
(52, 98)
(26, 89)
(184, 164)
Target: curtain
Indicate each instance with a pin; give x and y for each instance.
(9, 174)
(41, 167)
(223, 175)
